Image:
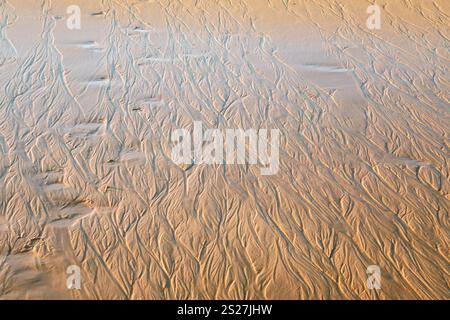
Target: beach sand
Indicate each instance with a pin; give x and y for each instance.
(87, 177)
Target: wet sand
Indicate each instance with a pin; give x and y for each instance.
(87, 179)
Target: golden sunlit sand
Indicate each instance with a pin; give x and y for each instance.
(87, 178)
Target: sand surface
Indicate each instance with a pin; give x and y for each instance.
(87, 179)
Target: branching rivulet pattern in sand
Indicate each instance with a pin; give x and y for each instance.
(87, 179)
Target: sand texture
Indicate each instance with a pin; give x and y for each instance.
(87, 177)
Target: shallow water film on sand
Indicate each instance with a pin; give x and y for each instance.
(224, 149)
